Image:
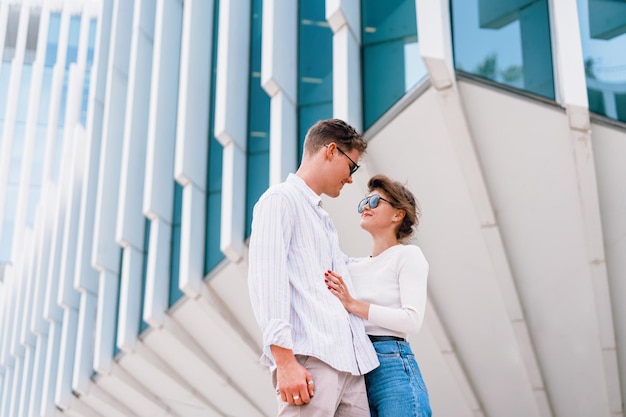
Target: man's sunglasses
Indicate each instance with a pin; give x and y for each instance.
(372, 201)
(354, 167)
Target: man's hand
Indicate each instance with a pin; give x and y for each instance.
(294, 381)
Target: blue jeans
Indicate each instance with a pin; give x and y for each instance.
(396, 388)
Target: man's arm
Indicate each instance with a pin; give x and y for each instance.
(294, 381)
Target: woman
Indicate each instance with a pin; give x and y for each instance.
(390, 289)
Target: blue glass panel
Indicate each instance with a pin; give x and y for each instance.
(175, 292)
(32, 37)
(258, 157)
(6, 238)
(53, 39)
(116, 349)
(213, 254)
(22, 109)
(72, 41)
(33, 201)
(146, 246)
(391, 61)
(5, 75)
(507, 41)
(44, 97)
(603, 34)
(10, 33)
(93, 24)
(72, 49)
(315, 67)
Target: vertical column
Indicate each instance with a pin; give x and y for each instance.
(31, 124)
(38, 373)
(51, 198)
(279, 69)
(435, 40)
(130, 221)
(37, 325)
(106, 252)
(192, 138)
(231, 129)
(86, 277)
(568, 57)
(6, 359)
(74, 148)
(26, 338)
(344, 18)
(158, 203)
(47, 406)
(10, 116)
(56, 91)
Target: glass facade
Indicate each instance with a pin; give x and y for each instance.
(391, 61)
(7, 66)
(90, 55)
(175, 292)
(315, 67)
(213, 254)
(507, 41)
(10, 39)
(258, 158)
(603, 33)
(144, 270)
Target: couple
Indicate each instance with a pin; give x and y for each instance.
(328, 320)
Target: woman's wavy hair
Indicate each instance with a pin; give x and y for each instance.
(401, 198)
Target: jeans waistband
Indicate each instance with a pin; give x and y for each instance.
(386, 338)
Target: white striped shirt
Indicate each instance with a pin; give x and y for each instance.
(293, 243)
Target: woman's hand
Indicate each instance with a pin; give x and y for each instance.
(335, 284)
(339, 289)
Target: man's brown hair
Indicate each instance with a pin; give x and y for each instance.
(334, 130)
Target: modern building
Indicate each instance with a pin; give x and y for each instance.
(138, 134)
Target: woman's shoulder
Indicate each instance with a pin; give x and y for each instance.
(408, 249)
(411, 253)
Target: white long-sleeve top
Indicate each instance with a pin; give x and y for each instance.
(394, 283)
(293, 242)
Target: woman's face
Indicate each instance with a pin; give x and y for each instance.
(377, 212)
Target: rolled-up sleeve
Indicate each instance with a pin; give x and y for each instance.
(268, 280)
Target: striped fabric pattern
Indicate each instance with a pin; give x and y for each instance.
(289, 253)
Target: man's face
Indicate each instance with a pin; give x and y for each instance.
(342, 165)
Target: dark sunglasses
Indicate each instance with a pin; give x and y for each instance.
(372, 201)
(354, 167)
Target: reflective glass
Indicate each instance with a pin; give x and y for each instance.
(315, 67)
(144, 269)
(258, 160)
(90, 54)
(603, 34)
(391, 60)
(33, 33)
(175, 292)
(10, 32)
(212, 253)
(116, 349)
(507, 41)
(54, 26)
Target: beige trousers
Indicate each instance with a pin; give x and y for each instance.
(337, 394)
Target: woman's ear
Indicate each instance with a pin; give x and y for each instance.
(399, 214)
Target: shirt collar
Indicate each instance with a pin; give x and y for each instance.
(310, 195)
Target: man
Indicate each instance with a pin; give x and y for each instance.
(317, 352)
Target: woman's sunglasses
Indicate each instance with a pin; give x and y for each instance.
(371, 201)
